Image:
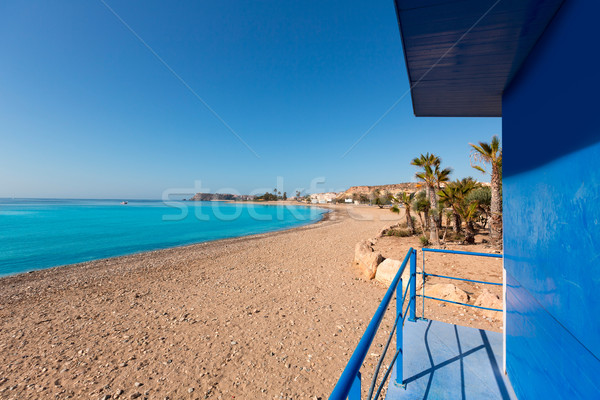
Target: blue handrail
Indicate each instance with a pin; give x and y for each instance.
(349, 384)
(460, 304)
(460, 279)
(348, 377)
(468, 253)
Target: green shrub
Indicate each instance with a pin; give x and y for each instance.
(398, 232)
(482, 195)
(424, 241)
(454, 237)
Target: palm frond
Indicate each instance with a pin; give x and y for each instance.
(495, 143)
(487, 149)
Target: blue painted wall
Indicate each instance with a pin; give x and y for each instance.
(551, 141)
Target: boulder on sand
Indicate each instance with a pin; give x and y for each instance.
(490, 300)
(387, 270)
(366, 259)
(447, 291)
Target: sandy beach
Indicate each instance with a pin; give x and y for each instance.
(263, 317)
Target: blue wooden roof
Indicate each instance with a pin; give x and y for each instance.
(462, 54)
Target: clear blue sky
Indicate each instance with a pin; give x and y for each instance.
(88, 111)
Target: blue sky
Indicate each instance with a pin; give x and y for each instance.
(88, 111)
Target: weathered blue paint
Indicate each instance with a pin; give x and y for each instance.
(551, 138)
(545, 361)
(445, 361)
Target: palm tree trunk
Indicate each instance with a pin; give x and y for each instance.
(433, 220)
(437, 204)
(457, 222)
(434, 237)
(422, 225)
(496, 207)
(470, 235)
(409, 221)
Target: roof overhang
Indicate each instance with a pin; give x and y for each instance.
(461, 54)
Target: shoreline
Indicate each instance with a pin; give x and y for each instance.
(323, 217)
(250, 317)
(271, 315)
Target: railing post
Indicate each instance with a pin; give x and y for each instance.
(413, 286)
(399, 337)
(355, 389)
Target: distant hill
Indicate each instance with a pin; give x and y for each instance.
(392, 188)
(220, 197)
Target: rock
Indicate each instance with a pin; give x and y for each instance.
(366, 259)
(387, 270)
(384, 231)
(191, 390)
(447, 291)
(490, 300)
(135, 395)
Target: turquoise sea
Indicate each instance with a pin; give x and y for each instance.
(42, 233)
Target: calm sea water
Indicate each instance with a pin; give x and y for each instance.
(38, 234)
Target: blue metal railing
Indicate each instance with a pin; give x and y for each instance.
(349, 384)
(423, 296)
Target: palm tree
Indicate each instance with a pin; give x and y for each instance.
(441, 176)
(468, 212)
(424, 161)
(421, 205)
(450, 197)
(433, 176)
(491, 153)
(406, 199)
(428, 162)
(454, 195)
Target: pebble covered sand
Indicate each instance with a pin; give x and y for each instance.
(272, 316)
